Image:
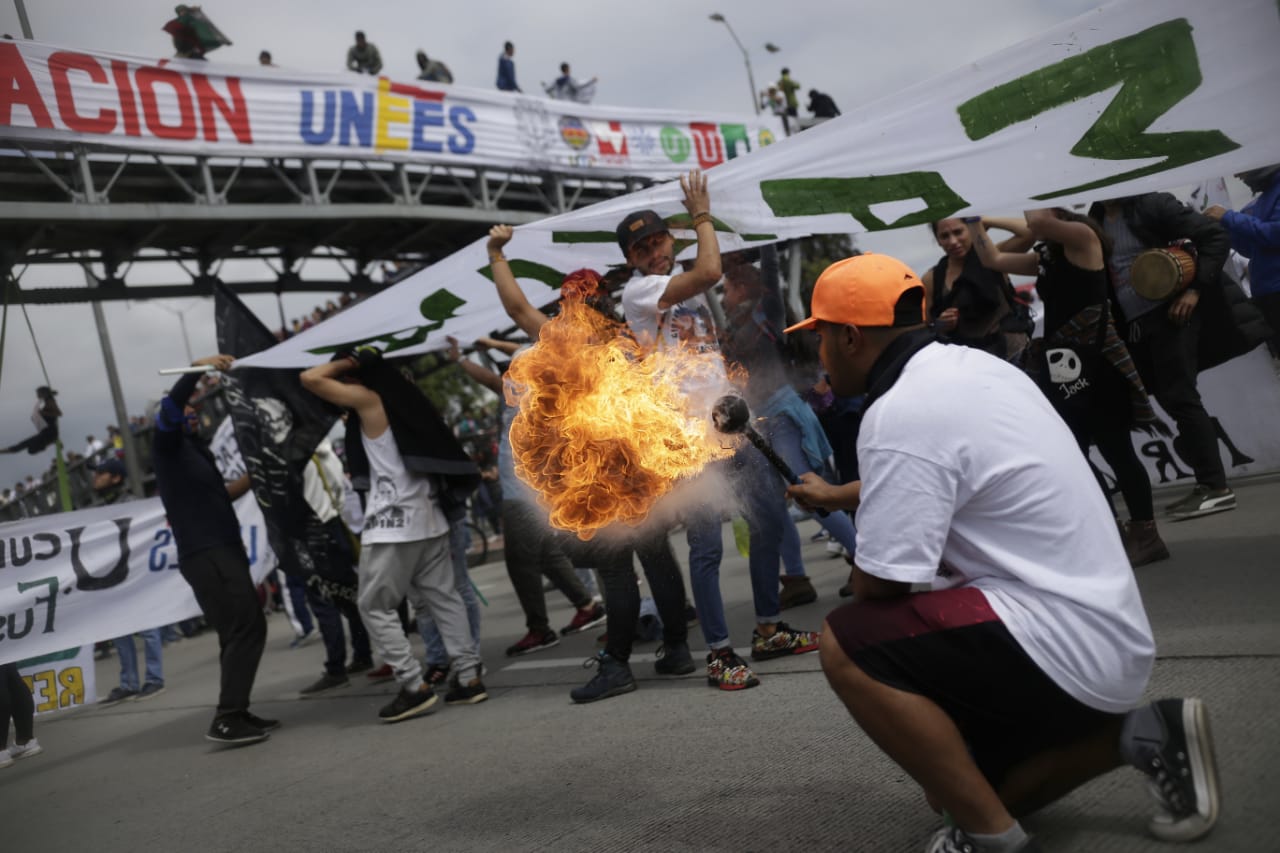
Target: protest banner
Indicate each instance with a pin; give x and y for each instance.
(61, 680)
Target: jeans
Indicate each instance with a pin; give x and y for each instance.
(220, 579)
(760, 489)
(329, 615)
(459, 542)
(784, 434)
(295, 603)
(128, 653)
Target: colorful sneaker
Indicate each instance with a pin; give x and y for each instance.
(782, 642)
(728, 671)
(436, 674)
(1182, 773)
(586, 618)
(613, 678)
(150, 690)
(381, 674)
(466, 694)
(116, 696)
(408, 703)
(674, 660)
(25, 750)
(1202, 501)
(534, 641)
(324, 684)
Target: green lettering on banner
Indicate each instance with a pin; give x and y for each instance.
(1155, 68)
(735, 135)
(438, 307)
(549, 276)
(855, 196)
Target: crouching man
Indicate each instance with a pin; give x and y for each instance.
(1016, 679)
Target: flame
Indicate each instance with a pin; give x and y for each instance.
(605, 429)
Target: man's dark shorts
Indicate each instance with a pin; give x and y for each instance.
(950, 646)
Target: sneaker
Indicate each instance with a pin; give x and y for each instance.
(1142, 543)
(674, 660)
(6, 760)
(408, 703)
(234, 729)
(534, 641)
(796, 591)
(302, 639)
(952, 839)
(728, 671)
(325, 682)
(436, 674)
(466, 694)
(845, 591)
(359, 666)
(589, 617)
(782, 642)
(1181, 770)
(261, 722)
(150, 690)
(1202, 501)
(25, 750)
(613, 678)
(381, 674)
(116, 696)
(834, 548)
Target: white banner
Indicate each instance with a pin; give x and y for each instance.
(57, 94)
(61, 680)
(1130, 98)
(74, 578)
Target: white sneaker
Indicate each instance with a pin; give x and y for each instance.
(5, 759)
(834, 548)
(26, 750)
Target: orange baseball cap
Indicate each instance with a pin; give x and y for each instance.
(866, 290)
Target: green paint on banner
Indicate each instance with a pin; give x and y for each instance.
(549, 276)
(437, 307)
(855, 196)
(52, 657)
(675, 144)
(583, 237)
(1155, 68)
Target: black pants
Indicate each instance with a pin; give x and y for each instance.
(37, 442)
(1165, 356)
(1269, 305)
(220, 579)
(15, 703)
(531, 551)
(613, 560)
(1116, 446)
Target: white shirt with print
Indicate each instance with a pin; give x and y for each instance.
(402, 505)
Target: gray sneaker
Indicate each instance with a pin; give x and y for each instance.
(325, 683)
(1202, 501)
(952, 839)
(1182, 772)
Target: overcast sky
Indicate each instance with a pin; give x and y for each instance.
(654, 54)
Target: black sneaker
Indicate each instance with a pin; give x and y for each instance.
(466, 694)
(1202, 501)
(1182, 772)
(408, 703)
(613, 678)
(233, 729)
(674, 660)
(436, 674)
(150, 690)
(325, 683)
(116, 696)
(261, 722)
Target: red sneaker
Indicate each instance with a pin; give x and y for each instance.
(584, 619)
(381, 674)
(534, 641)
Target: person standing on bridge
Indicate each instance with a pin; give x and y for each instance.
(507, 69)
(363, 56)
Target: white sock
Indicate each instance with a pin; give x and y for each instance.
(1005, 842)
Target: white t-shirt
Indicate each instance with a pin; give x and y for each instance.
(402, 506)
(965, 465)
(689, 321)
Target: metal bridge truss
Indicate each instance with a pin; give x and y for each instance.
(109, 211)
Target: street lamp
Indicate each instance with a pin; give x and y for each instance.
(746, 57)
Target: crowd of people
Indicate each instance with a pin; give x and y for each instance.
(997, 672)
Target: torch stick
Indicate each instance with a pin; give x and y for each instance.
(731, 415)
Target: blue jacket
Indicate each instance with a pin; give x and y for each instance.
(1255, 233)
(507, 74)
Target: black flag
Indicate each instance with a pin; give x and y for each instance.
(278, 425)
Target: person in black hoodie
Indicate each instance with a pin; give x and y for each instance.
(420, 478)
(1165, 337)
(211, 554)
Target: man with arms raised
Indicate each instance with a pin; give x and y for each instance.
(1016, 679)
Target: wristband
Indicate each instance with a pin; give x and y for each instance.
(495, 257)
(704, 217)
(969, 220)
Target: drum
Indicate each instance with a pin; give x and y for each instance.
(1157, 274)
